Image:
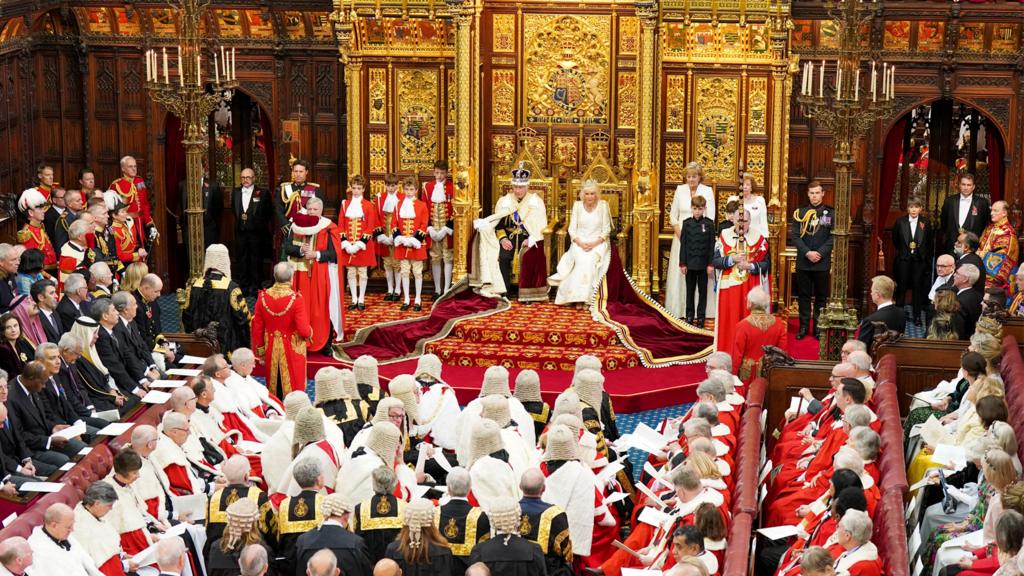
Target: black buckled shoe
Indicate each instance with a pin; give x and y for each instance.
(801, 333)
(417, 308)
(404, 307)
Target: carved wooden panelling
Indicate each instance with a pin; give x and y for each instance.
(325, 87)
(298, 84)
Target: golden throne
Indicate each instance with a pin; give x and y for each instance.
(542, 182)
(613, 185)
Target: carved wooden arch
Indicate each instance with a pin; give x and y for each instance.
(891, 121)
(266, 106)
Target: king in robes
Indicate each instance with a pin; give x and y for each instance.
(313, 246)
(999, 250)
(741, 257)
(510, 242)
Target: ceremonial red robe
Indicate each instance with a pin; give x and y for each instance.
(358, 230)
(734, 284)
(133, 193)
(752, 334)
(315, 286)
(280, 331)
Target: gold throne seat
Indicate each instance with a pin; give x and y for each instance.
(613, 186)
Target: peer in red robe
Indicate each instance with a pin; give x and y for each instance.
(741, 257)
(756, 331)
(313, 247)
(280, 332)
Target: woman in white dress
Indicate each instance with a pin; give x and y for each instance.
(754, 203)
(586, 261)
(675, 293)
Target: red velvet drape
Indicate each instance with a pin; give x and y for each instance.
(994, 144)
(267, 140)
(174, 172)
(893, 154)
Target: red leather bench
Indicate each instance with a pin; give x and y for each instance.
(737, 553)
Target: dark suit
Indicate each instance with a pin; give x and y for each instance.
(60, 229)
(15, 453)
(978, 217)
(53, 327)
(99, 391)
(894, 319)
(137, 356)
(36, 425)
(251, 236)
(68, 312)
(7, 292)
(50, 222)
(912, 264)
(112, 354)
(67, 409)
(973, 258)
(147, 320)
(970, 310)
(349, 549)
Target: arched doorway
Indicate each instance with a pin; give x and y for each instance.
(924, 152)
(240, 136)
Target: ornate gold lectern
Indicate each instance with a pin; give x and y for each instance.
(642, 88)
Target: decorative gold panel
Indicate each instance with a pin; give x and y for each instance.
(566, 151)
(504, 33)
(598, 144)
(670, 195)
(675, 161)
(757, 114)
(378, 152)
(376, 187)
(627, 99)
(538, 147)
(417, 118)
(629, 36)
(451, 150)
(567, 59)
(675, 103)
(715, 130)
(503, 147)
(756, 161)
(406, 36)
(452, 93)
(378, 96)
(503, 97)
(625, 149)
(706, 41)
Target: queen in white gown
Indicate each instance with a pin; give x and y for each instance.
(675, 283)
(585, 263)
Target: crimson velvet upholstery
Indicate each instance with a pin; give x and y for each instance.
(890, 531)
(1012, 369)
(744, 502)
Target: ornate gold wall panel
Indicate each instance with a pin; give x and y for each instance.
(405, 37)
(378, 94)
(566, 61)
(715, 42)
(756, 154)
(452, 97)
(715, 127)
(625, 149)
(757, 107)
(418, 120)
(629, 35)
(566, 150)
(378, 152)
(503, 97)
(675, 103)
(503, 147)
(504, 32)
(627, 99)
(670, 195)
(675, 161)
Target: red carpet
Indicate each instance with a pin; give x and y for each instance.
(806, 349)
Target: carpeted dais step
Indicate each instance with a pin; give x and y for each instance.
(377, 311)
(541, 324)
(456, 352)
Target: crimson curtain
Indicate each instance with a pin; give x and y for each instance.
(893, 155)
(994, 144)
(174, 172)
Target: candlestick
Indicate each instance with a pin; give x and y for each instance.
(167, 78)
(234, 63)
(199, 70)
(821, 81)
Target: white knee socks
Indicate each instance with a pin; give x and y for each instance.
(352, 285)
(405, 288)
(363, 280)
(448, 275)
(390, 275)
(419, 290)
(435, 268)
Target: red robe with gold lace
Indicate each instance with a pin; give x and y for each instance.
(280, 331)
(358, 230)
(34, 236)
(133, 193)
(445, 213)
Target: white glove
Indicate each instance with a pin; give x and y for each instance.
(432, 232)
(345, 245)
(384, 239)
(446, 231)
(530, 243)
(414, 243)
(360, 245)
(478, 223)
(400, 241)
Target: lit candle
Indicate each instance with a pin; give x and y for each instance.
(856, 85)
(234, 63)
(892, 82)
(821, 81)
(839, 82)
(181, 69)
(167, 78)
(149, 71)
(874, 81)
(216, 73)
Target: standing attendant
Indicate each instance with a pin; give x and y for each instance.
(811, 233)
(132, 191)
(963, 212)
(56, 209)
(696, 250)
(999, 250)
(357, 221)
(386, 204)
(280, 332)
(912, 239)
(681, 210)
(44, 177)
(33, 235)
(438, 195)
(755, 204)
(409, 235)
(251, 207)
(292, 197)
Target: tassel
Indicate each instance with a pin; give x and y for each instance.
(881, 256)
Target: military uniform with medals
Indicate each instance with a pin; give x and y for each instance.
(295, 516)
(378, 520)
(217, 513)
(105, 249)
(811, 231)
(547, 525)
(291, 200)
(464, 526)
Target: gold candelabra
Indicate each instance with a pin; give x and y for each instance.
(192, 97)
(848, 108)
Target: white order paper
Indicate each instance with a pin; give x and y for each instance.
(77, 429)
(950, 455)
(109, 415)
(654, 517)
(189, 372)
(189, 359)
(167, 384)
(40, 487)
(192, 504)
(156, 397)
(779, 532)
(116, 428)
(7, 521)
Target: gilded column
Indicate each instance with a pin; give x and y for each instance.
(463, 13)
(645, 245)
(344, 22)
(783, 69)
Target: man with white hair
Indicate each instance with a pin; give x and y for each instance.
(323, 563)
(860, 556)
(759, 329)
(216, 297)
(183, 476)
(742, 258)
(281, 323)
(138, 356)
(9, 260)
(170, 556)
(253, 398)
(970, 299)
(312, 247)
(132, 190)
(55, 550)
(378, 519)
(74, 254)
(462, 524)
(69, 307)
(15, 556)
(298, 514)
(253, 560)
(101, 278)
(333, 534)
(236, 471)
